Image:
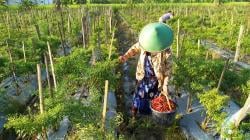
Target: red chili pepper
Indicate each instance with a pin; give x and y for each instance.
(161, 104)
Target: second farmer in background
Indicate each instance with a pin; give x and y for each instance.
(167, 16)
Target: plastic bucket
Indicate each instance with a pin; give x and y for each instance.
(164, 118)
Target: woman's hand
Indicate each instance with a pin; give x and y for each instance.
(164, 93)
(122, 59)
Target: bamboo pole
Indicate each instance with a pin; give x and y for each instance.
(222, 74)
(62, 39)
(237, 53)
(48, 27)
(207, 54)
(47, 74)
(232, 19)
(177, 39)
(69, 23)
(41, 99)
(52, 67)
(110, 21)
(243, 112)
(8, 24)
(39, 81)
(111, 44)
(199, 44)
(13, 70)
(83, 32)
(24, 55)
(105, 104)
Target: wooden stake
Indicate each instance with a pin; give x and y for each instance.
(199, 44)
(111, 44)
(222, 74)
(83, 36)
(8, 24)
(105, 104)
(39, 81)
(24, 55)
(48, 27)
(207, 54)
(62, 39)
(110, 21)
(177, 39)
(243, 112)
(52, 67)
(69, 24)
(237, 53)
(232, 19)
(13, 70)
(47, 73)
(41, 100)
(38, 31)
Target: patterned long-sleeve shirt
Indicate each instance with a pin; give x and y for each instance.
(164, 18)
(162, 64)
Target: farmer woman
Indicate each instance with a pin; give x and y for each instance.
(166, 17)
(154, 65)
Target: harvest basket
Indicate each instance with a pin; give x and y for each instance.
(163, 118)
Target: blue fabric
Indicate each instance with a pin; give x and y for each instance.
(147, 89)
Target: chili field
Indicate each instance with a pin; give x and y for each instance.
(60, 77)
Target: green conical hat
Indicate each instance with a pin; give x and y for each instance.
(156, 37)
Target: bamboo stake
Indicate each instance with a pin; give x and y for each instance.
(243, 112)
(105, 104)
(38, 31)
(83, 36)
(52, 67)
(48, 27)
(8, 24)
(186, 11)
(39, 81)
(232, 18)
(110, 21)
(24, 55)
(177, 39)
(222, 74)
(111, 44)
(199, 44)
(47, 74)
(237, 53)
(62, 39)
(13, 70)
(207, 54)
(41, 99)
(69, 24)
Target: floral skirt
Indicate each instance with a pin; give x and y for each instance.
(146, 90)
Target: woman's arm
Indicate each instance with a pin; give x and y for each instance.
(167, 72)
(135, 49)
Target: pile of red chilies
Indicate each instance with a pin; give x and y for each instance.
(162, 104)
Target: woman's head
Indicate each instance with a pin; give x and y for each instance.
(156, 37)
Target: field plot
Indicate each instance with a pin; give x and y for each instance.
(60, 77)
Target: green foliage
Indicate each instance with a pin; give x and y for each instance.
(8, 105)
(26, 124)
(214, 102)
(2, 3)
(238, 133)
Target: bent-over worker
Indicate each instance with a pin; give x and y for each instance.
(167, 16)
(154, 65)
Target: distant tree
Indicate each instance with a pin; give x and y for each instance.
(2, 3)
(27, 4)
